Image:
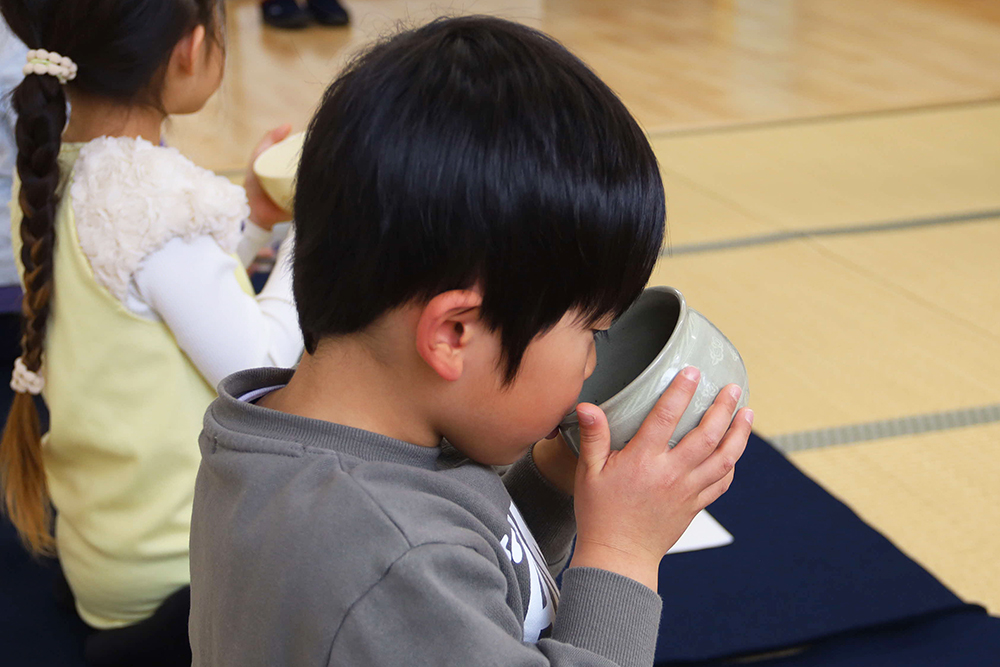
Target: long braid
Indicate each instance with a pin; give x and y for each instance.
(122, 52)
(41, 107)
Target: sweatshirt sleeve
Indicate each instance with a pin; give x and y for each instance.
(443, 604)
(548, 511)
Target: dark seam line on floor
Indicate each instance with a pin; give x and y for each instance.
(866, 228)
(819, 120)
(887, 428)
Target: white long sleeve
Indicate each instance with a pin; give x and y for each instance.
(191, 286)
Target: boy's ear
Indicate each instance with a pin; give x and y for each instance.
(188, 50)
(447, 324)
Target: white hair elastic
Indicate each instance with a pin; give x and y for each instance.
(43, 62)
(24, 381)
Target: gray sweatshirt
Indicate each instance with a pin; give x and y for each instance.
(314, 543)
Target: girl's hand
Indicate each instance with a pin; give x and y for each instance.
(632, 505)
(263, 211)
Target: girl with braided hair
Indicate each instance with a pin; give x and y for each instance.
(135, 305)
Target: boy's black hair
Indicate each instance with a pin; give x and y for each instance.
(473, 151)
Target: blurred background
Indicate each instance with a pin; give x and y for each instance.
(832, 170)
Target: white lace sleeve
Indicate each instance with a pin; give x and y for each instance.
(190, 284)
(130, 198)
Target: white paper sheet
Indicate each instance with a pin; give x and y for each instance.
(703, 533)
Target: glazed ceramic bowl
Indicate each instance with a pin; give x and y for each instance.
(275, 169)
(653, 341)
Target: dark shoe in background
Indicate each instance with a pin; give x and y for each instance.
(328, 12)
(284, 14)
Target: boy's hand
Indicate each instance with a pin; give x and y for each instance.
(557, 463)
(632, 505)
(263, 211)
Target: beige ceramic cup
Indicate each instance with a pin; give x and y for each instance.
(653, 341)
(276, 167)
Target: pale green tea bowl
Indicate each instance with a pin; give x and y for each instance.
(649, 344)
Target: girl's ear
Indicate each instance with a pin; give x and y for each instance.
(193, 73)
(188, 51)
(446, 327)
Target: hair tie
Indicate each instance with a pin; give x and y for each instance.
(24, 381)
(44, 62)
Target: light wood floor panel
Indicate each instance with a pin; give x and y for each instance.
(693, 62)
(278, 76)
(826, 345)
(935, 496)
(681, 63)
(849, 171)
(697, 215)
(953, 269)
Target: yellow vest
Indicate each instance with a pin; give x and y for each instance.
(122, 451)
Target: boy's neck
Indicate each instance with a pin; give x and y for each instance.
(345, 383)
(92, 117)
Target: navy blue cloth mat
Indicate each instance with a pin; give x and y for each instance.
(802, 567)
(34, 630)
(803, 571)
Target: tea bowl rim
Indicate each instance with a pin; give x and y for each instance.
(650, 369)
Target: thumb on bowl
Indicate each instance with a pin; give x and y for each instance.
(595, 436)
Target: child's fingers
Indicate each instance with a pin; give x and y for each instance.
(271, 138)
(654, 434)
(723, 460)
(595, 437)
(715, 491)
(699, 444)
(279, 133)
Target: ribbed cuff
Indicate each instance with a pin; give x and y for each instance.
(608, 614)
(548, 511)
(253, 239)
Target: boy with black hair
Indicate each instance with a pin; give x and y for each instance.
(473, 205)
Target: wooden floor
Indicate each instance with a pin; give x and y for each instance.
(833, 178)
(675, 63)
